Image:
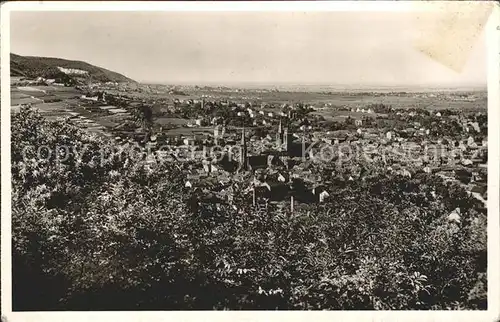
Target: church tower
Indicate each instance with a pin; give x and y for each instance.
(217, 133)
(304, 145)
(285, 138)
(279, 137)
(244, 152)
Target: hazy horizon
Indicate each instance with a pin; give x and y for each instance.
(338, 49)
(332, 85)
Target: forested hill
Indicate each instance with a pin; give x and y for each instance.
(49, 67)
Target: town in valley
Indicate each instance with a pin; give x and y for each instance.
(283, 146)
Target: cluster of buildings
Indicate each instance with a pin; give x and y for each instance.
(282, 163)
(264, 175)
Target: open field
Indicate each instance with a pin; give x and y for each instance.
(436, 100)
(32, 89)
(26, 100)
(39, 94)
(190, 131)
(339, 116)
(351, 99)
(171, 120)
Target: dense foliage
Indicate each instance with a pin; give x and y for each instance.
(117, 235)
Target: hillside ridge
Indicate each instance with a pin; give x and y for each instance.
(49, 67)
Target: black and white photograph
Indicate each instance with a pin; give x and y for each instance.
(246, 160)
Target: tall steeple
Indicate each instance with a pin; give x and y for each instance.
(304, 144)
(217, 132)
(244, 152)
(243, 138)
(285, 138)
(279, 138)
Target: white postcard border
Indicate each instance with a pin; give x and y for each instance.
(493, 38)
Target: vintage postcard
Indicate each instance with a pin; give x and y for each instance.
(255, 161)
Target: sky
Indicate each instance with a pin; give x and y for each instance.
(337, 48)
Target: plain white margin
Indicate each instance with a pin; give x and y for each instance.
(493, 39)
